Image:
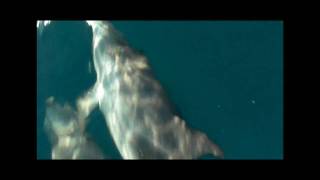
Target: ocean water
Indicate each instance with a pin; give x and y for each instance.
(225, 78)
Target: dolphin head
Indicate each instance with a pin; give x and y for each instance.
(60, 120)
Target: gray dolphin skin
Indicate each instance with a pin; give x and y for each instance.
(67, 138)
(137, 112)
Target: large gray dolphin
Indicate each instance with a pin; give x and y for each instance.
(136, 110)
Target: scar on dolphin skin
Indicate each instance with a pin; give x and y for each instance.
(135, 107)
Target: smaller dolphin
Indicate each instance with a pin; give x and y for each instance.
(66, 135)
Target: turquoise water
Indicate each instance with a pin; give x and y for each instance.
(224, 77)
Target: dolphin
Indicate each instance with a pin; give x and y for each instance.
(138, 114)
(66, 135)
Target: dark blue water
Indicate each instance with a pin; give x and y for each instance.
(224, 77)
